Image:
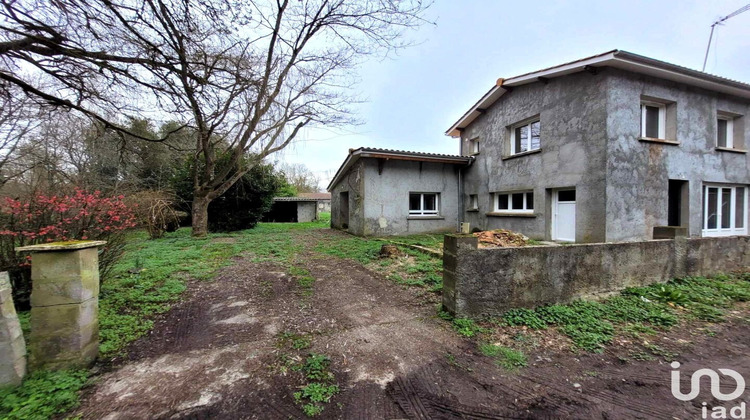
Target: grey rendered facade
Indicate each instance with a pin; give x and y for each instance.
(592, 142)
(370, 194)
(609, 148)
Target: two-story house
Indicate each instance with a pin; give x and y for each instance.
(607, 148)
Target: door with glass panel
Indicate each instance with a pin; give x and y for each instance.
(564, 215)
(724, 210)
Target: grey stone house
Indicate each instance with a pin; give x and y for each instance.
(390, 192)
(609, 148)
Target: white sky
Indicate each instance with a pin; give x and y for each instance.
(413, 98)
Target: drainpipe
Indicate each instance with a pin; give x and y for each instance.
(460, 216)
(460, 200)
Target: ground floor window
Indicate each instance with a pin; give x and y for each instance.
(724, 210)
(424, 204)
(521, 202)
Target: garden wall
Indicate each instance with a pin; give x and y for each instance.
(489, 281)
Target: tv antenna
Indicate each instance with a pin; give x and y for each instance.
(719, 22)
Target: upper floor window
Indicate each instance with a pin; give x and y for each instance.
(653, 120)
(525, 137)
(519, 202)
(724, 132)
(424, 204)
(473, 202)
(474, 146)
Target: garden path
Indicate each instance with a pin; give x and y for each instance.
(220, 353)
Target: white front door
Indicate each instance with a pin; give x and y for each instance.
(564, 215)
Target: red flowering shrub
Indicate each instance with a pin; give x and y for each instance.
(43, 219)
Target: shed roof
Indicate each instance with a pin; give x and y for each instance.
(294, 199)
(373, 152)
(616, 58)
(317, 196)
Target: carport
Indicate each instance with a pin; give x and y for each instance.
(293, 210)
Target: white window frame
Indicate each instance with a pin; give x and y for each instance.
(422, 212)
(732, 229)
(730, 131)
(474, 146)
(528, 138)
(662, 119)
(510, 209)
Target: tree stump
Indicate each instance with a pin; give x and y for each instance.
(389, 251)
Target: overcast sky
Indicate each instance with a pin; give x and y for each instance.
(413, 98)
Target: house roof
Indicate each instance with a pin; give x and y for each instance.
(616, 58)
(372, 152)
(294, 199)
(316, 196)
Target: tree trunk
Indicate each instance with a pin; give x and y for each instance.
(200, 215)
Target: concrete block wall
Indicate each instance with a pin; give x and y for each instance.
(307, 211)
(479, 282)
(386, 203)
(12, 344)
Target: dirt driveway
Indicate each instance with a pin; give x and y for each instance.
(217, 355)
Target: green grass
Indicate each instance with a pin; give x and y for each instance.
(147, 280)
(421, 270)
(591, 325)
(43, 395)
(505, 357)
(362, 250)
(433, 241)
(319, 387)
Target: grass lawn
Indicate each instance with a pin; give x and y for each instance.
(147, 280)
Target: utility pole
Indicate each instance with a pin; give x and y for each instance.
(719, 22)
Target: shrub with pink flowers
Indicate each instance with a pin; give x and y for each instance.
(43, 218)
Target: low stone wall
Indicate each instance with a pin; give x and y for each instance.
(489, 281)
(12, 344)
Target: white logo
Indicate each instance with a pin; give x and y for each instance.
(738, 412)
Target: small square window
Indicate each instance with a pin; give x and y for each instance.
(424, 204)
(519, 202)
(474, 146)
(526, 137)
(473, 202)
(725, 132)
(653, 120)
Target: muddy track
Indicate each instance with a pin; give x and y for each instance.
(212, 356)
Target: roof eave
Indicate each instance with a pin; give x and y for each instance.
(497, 91)
(362, 152)
(616, 58)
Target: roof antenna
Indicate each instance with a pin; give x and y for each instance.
(719, 22)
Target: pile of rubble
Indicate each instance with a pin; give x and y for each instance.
(502, 238)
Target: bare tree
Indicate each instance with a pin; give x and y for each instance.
(19, 123)
(247, 76)
(300, 177)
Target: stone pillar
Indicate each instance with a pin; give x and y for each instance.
(12, 345)
(453, 246)
(64, 304)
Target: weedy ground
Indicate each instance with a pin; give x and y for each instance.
(153, 274)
